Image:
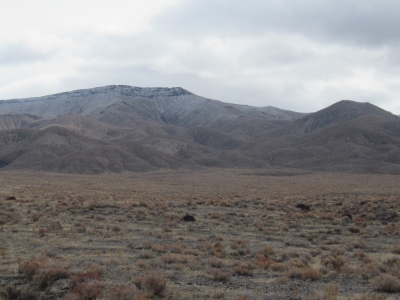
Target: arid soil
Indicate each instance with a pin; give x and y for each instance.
(121, 236)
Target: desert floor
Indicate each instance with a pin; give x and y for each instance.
(121, 236)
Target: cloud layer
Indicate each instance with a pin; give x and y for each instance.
(297, 55)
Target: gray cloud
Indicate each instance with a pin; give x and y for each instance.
(299, 55)
(371, 23)
(16, 53)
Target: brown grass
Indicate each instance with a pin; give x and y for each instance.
(331, 291)
(121, 236)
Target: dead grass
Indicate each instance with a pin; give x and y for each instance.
(331, 291)
(121, 236)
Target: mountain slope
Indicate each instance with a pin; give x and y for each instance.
(339, 112)
(61, 150)
(362, 139)
(125, 105)
(16, 120)
(123, 128)
(34, 147)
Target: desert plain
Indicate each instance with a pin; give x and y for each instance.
(122, 236)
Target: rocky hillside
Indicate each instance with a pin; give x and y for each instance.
(123, 128)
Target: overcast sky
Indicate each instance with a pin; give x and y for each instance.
(296, 55)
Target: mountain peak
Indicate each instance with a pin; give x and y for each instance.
(342, 111)
(138, 91)
(350, 104)
(125, 90)
(86, 101)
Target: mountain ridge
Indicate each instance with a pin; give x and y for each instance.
(122, 128)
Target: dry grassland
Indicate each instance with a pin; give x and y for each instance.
(122, 236)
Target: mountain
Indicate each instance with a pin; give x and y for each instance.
(346, 136)
(337, 113)
(124, 128)
(127, 106)
(16, 120)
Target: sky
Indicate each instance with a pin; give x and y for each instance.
(295, 55)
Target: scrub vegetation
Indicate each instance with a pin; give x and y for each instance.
(121, 236)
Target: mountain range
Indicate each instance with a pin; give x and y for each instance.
(123, 128)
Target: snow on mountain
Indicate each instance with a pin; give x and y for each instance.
(163, 104)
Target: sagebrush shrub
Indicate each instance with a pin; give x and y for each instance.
(283, 280)
(386, 283)
(83, 278)
(123, 292)
(43, 273)
(154, 286)
(395, 249)
(278, 267)
(353, 229)
(171, 258)
(242, 271)
(295, 273)
(10, 292)
(372, 297)
(29, 268)
(146, 254)
(311, 274)
(220, 275)
(46, 277)
(370, 271)
(263, 261)
(268, 251)
(215, 262)
(88, 291)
